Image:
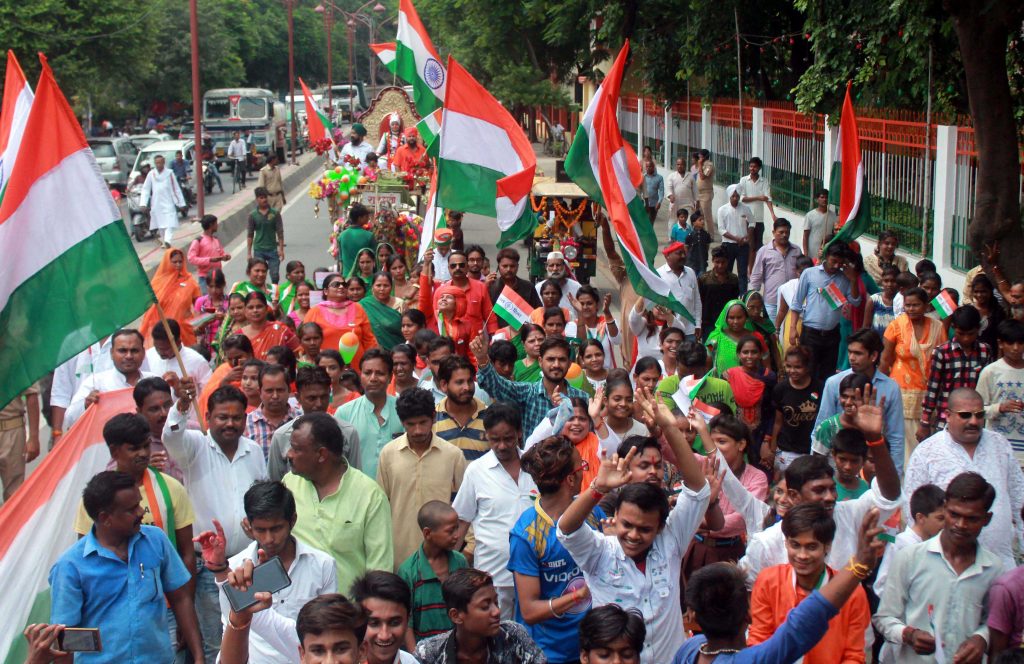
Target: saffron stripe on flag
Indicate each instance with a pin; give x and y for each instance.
(944, 303)
(833, 296)
(512, 308)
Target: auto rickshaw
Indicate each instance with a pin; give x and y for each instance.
(565, 222)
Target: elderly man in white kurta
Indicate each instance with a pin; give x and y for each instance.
(162, 195)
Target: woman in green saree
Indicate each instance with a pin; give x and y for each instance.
(527, 370)
(384, 311)
(365, 267)
(732, 324)
(754, 302)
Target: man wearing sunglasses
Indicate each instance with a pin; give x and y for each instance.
(966, 445)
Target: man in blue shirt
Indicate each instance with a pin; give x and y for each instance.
(654, 190)
(816, 307)
(117, 577)
(864, 348)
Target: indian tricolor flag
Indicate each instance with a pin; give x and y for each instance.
(848, 186)
(386, 54)
(318, 124)
(944, 303)
(62, 243)
(607, 169)
(417, 61)
(512, 308)
(13, 116)
(433, 218)
(833, 296)
(430, 129)
(486, 163)
(37, 523)
(706, 411)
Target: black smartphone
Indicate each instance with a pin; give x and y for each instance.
(79, 639)
(269, 577)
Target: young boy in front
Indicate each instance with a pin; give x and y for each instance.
(426, 569)
(1001, 386)
(387, 601)
(809, 530)
(849, 453)
(926, 507)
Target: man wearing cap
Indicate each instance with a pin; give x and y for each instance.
(735, 219)
(682, 281)
(411, 155)
(774, 265)
(558, 272)
(357, 146)
(442, 247)
(478, 302)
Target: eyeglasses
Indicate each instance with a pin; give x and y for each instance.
(966, 414)
(336, 284)
(455, 266)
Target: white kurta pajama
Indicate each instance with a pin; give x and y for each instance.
(162, 195)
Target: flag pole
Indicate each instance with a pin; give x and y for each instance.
(177, 352)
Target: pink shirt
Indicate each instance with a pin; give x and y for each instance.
(754, 481)
(202, 249)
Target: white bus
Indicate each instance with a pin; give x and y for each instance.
(228, 110)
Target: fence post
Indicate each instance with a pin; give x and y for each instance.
(831, 135)
(756, 133)
(667, 145)
(943, 196)
(639, 125)
(705, 127)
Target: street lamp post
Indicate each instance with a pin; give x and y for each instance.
(328, 14)
(197, 101)
(327, 8)
(291, 72)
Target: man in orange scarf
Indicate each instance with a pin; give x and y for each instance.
(411, 155)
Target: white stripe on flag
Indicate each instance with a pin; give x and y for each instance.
(470, 140)
(408, 37)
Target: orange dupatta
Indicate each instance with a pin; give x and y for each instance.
(176, 291)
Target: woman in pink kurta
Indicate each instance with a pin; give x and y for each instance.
(206, 251)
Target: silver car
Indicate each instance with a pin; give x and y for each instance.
(115, 157)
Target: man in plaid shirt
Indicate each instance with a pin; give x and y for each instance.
(956, 363)
(275, 408)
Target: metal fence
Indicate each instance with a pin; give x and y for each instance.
(793, 154)
(730, 142)
(962, 257)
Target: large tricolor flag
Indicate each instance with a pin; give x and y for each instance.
(848, 187)
(63, 243)
(604, 165)
(319, 126)
(13, 116)
(386, 53)
(417, 61)
(37, 523)
(486, 163)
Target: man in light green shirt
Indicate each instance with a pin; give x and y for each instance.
(373, 415)
(340, 510)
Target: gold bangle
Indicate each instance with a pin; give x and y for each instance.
(239, 629)
(859, 570)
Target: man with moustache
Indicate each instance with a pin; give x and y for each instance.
(128, 357)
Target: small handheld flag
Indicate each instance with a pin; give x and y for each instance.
(944, 303)
(706, 411)
(833, 296)
(512, 308)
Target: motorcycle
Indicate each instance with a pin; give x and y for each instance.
(139, 215)
(188, 194)
(210, 176)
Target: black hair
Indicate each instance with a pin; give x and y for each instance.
(718, 252)
(254, 261)
(424, 335)
(215, 278)
(453, 363)
(310, 326)
(641, 443)
(647, 497)
(923, 266)
(868, 338)
(807, 468)
(717, 595)
(330, 354)
(853, 381)
(207, 221)
(550, 284)
(226, 394)
(907, 280)
(460, 586)
(670, 330)
(691, 354)
(126, 429)
(735, 428)
(549, 462)
(755, 160)
(527, 329)
(931, 275)
(509, 253)
(589, 290)
(801, 352)
(550, 343)
(148, 386)
(812, 517)
(604, 625)
(253, 362)
(378, 353)
(261, 191)
(747, 339)
(590, 341)
(378, 584)
(267, 499)
(307, 376)
(965, 318)
(503, 351)
(331, 612)
(415, 402)
(272, 370)
(553, 312)
(355, 212)
(617, 381)
(237, 342)
(850, 441)
(891, 269)
(970, 487)
(324, 431)
(102, 489)
(803, 262)
(1010, 331)
(127, 332)
(160, 334)
(385, 274)
(437, 343)
(646, 364)
(404, 349)
(470, 248)
(503, 412)
(431, 513)
(926, 499)
(781, 222)
(917, 292)
(838, 249)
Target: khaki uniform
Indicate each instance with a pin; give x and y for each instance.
(271, 179)
(13, 437)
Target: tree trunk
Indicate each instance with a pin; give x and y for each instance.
(982, 29)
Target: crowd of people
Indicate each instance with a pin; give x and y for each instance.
(811, 463)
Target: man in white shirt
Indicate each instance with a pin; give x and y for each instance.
(161, 359)
(682, 189)
(558, 272)
(270, 515)
(965, 445)
(495, 492)
(735, 220)
(218, 467)
(810, 479)
(161, 195)
(757, 194)
(238, 152)
(127, 355)
(638, 567)
(682, 281)
(357, 146)
(818, 224)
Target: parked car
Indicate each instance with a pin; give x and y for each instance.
(142, 140)
(166, 149)
(115, 156)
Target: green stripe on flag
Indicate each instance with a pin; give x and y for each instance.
(857, 226)
(521, 229)
(467, 187)
(89, 291)
(424, 98)
(39, 613)
(578, 167)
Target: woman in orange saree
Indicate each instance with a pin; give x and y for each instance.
(176, 291)
(263, 333)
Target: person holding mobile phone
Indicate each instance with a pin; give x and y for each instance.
(121, 577)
